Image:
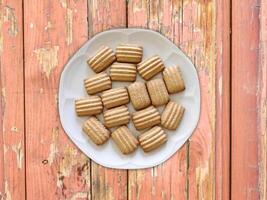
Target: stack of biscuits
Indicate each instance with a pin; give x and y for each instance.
(145, 98)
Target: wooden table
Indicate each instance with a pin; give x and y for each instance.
(227, 154)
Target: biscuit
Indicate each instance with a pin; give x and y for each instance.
(96, 131)
(139, 95)
(97, 83)
(103, 58)
(152, 139)
(115, 97)
(88, 106)
(129, 53)
(150, 67)
(172, 115)
(116, 116)
(125, 140)
(173, 79)
(157, 92)
(123, 72)
(146, 118)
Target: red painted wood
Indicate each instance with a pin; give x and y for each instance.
(12, 176)
(245, 76)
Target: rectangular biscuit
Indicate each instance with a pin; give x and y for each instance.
(103, 58)
(173, 79)
(129, 53)
(146, 118)
(97, 83)
(157, 92)
(115, 97)
(125, 140)
(88, 106)
(123, 72)
(116, 116)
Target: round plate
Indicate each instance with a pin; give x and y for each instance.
(71, 87)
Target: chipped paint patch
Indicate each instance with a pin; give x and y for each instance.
(63, 3)
(9, 16)
(69, 31)
(4, 94)
(31, 25)
(47, 58)
(41, 90)
(80, 195)
(5, 148)
(14, 129)
(19, 154)
(48, 26)
(7, 192)
(53, 150)
(220, 86)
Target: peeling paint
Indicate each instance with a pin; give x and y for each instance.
(69, 31)
(48, 26)
(7, 192)
(9, 16)
(4, 94)
(19, 154)
(47, 58)
(63, 3)
(80, 195)
(220, 86)
(14, 129)
(53, 150)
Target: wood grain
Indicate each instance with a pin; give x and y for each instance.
(246, 93)
(168, 180)
(262, 103)
(54, 30)
(105, 14)
(12, 176)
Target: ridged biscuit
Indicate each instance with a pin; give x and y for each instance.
(123, 72)
(116, 116)
(150, 67)
(152, 139)
(103, 58)
(157, 92)
(96, 131)
(173, 79)
(97, 83)
(115, 97)
(172, 115)
(88, 106)
(139, 95)
(125, 140)
(129, 53)
(146, 118)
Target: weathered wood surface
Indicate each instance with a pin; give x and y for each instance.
(12, 155)
(38, 161)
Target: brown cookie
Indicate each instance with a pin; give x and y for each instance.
(157, 92)
(88, 106)
(96, 131)
(97, 83)
(150, 67)
(129, 53)
(116, 116)
(139, 95)
(123, 72)
(103, 58)
(172, 115)
(125, 140)
(152, 139)
(146, 118)
(115, 97)
(173, 79)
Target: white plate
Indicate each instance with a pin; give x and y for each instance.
(71, 88)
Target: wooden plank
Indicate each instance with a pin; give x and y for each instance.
(222, 137)
(168, 180)
(12, 168)
(191, 25)
(246, 74)
(262, 103)
(54, 30)
(102, 15)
